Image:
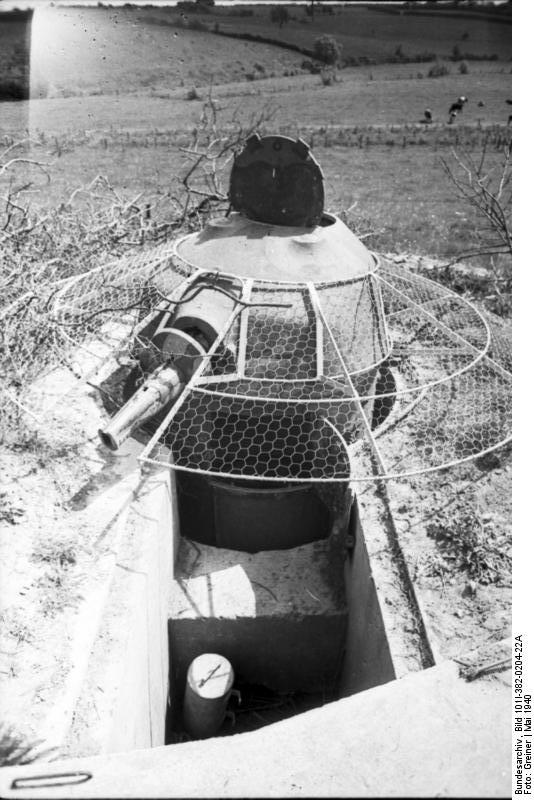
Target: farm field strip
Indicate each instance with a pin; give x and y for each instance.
(363, 31)
(301, 100)
(378, 156)
(399, 194)
(104, 50)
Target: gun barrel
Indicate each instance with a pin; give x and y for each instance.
(162, 386)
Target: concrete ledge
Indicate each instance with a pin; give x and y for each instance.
(428, 734)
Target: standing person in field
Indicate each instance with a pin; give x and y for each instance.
(458, 105)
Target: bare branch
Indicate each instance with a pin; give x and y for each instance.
(488, 191)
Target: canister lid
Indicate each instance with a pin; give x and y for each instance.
(210, 675)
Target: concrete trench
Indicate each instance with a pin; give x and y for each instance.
(277, 580)
(342, 604)
(324, 619)
(301, 626)
(280, 616)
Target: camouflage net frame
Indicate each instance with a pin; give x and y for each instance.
(305, 382)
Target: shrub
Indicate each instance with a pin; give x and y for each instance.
(15, 749)
(438, 71)
(310, 66)
(469, 544)
(192, 94)
(329, 76)
(327, 49)
(463, 69)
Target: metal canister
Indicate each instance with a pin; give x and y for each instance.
(210, 678)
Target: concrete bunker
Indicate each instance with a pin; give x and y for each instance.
(275, 578)
(262, 369)
(263, 372)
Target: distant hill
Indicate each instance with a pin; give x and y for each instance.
(368, 35)
(467, 10)
(106, 51)
(121, 50)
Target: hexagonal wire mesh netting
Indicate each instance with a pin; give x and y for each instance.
(381, 376)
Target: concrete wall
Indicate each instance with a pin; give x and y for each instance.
(368, 660)
(260, 632)
(279, 616)
(123, 702)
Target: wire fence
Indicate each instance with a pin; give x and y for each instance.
(383, 376)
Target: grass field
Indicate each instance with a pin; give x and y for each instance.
(105, 50)
(366, 32)
(397, 190)
(366, 131)
(382, 95)
(117, 105)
